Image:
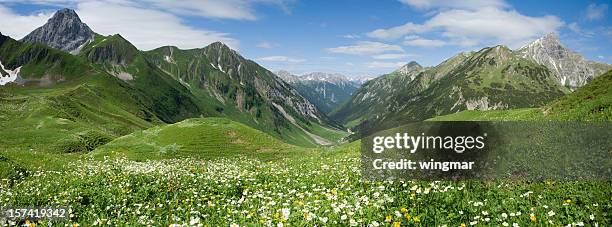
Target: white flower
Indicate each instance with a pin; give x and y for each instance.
(352, 222)
(343, 217)
(592, 217)
(194, 221)
(504, 215)
(323, 219)
(505, 223)
(234, 225)
(551, 213)
(285, 213)
(280, 224)
(473, 222)
(374, 224)
(515, 224)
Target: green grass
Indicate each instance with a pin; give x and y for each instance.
(301, 188)
(493, 115)
(203, 138)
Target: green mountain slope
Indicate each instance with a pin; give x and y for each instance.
(194, 138)
(244, 91)
(592, 102)
(109, 73)
(492, 78)
(62, 103)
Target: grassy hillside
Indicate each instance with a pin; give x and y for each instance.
(195, 138)
(592, 102)
(65, 110)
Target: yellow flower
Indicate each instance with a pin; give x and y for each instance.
(532, 217)
(388, 218)
(416, 219)
(407, 216)
(568, 201)
(396, 224)
(403, 210)
(462, 225)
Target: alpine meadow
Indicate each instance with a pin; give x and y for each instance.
(121, 130)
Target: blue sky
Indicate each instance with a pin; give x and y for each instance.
(352, 37)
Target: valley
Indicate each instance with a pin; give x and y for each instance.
(207, 137)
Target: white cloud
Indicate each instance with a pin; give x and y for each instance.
(471, 27)
(26, 23)
(392, 56)
(265, 45)
(365, 48)
(578, 30)
(464, 4)
(147, 28)
(352, 36)
(422, 42)
(219, 9)
(279, 58)
(595, 11)
(397, 32)
(508, 27)
(384, 65)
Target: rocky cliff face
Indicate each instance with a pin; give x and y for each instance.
(569, 68)
(63, 31)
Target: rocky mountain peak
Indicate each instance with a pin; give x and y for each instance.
(569, 68)
(64, 31)
(411, 69)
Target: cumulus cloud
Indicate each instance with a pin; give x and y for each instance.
(384, 65)
(422, 42)
(26, 23)
(145, 26)
(366, 48)
(595, 11)
(471, 27)
(219, 9)
(397, 32)
(279, 58)
(392, 56)
(465, 4)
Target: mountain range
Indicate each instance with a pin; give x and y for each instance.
(71, 73)
(325, 90)
(72, 89)
(492, 78)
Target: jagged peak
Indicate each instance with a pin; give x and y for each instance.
(65, 13)
(64, 31)
(410, 66)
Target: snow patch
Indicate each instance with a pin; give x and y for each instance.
(12, 75)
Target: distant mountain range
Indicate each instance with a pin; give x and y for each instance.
(166, 84)
(325, 90)
(489, 79)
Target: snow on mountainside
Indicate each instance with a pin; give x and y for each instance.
(570, 69)
(7, 75)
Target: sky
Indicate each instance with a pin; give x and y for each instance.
(353, 37)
